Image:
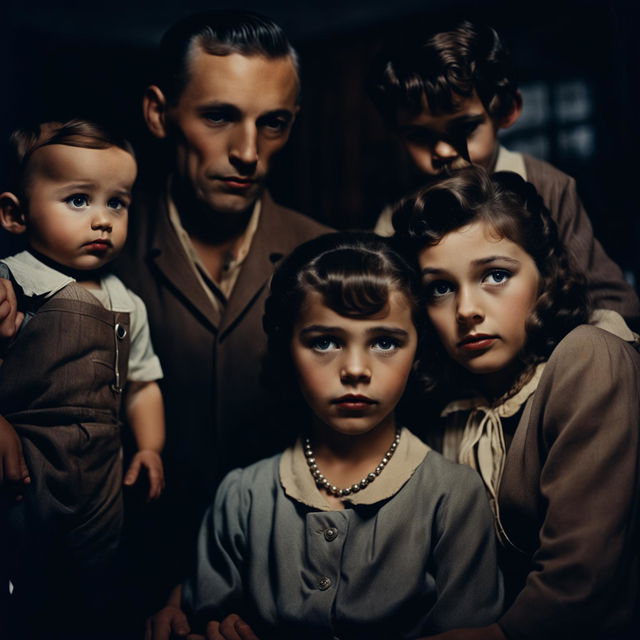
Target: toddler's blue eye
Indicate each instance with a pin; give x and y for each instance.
(78, 200)
(116, 203)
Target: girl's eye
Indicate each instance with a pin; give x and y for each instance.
(438, 289)
(384, 343)
(117, 204)
(497, 276)
(324, 343)
(78, 201)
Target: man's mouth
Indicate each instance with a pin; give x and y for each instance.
(236, 182)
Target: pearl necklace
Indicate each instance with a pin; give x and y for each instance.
(323, 483)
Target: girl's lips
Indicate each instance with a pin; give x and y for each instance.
(354, 402)
(477, 342)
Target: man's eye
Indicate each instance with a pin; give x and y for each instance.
(497, 276)
(215, 117)
(385, 343)
(275, 124)
(78, 201)
(324, 343)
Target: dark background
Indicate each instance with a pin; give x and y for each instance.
(577, 64)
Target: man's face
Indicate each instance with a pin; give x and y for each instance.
(233, 115)
(436, 142)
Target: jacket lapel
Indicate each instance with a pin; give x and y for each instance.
(169, 257)
(268, 247)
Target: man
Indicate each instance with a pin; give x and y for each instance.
(204, 239)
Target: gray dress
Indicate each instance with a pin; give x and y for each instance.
(413, 554)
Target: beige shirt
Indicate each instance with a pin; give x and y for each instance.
(218, 292)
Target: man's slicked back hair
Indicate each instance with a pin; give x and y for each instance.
(218, 33)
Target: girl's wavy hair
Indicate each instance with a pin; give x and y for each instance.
(354, 272)
(514, 210)
(447, 65)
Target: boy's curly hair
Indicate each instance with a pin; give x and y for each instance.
(514, 210)
(443, 68)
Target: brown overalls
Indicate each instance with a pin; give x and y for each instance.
(61, 388)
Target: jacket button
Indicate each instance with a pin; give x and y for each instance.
(330, 534)
(121, 332)
(324, 583)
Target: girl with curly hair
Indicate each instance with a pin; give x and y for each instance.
(547, 405)
(358, 530)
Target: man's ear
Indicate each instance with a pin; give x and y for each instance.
(11, 214)
(514, 113)
(154, 109)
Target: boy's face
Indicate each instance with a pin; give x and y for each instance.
(77, 203)
(234, 114)
(439, 141)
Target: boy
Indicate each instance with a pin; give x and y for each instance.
(447, 97)
(82, 351)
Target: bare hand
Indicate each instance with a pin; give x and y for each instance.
(233, 627)
(13, 468)
(152, 462)
(10, 317)
(170, 622)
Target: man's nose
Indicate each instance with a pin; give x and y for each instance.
(243, 149)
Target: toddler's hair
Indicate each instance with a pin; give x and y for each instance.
(444, 67)
(25, 141)
(514, 210)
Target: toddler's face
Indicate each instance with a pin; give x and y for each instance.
(352, 371)
(481, 289)
(436, 142)
(77, 204)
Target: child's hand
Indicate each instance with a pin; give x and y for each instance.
(10, 317)
(169, 622)
(13, 468)
(233, 627)
(151, 461)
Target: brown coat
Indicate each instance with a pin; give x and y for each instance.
(607, 286)
(569, 493)
(214, 401)
(218, 415)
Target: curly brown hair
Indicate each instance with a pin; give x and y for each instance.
(514, 210)
(449, 64)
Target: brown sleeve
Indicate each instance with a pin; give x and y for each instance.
(585, 420)
(607, 286)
